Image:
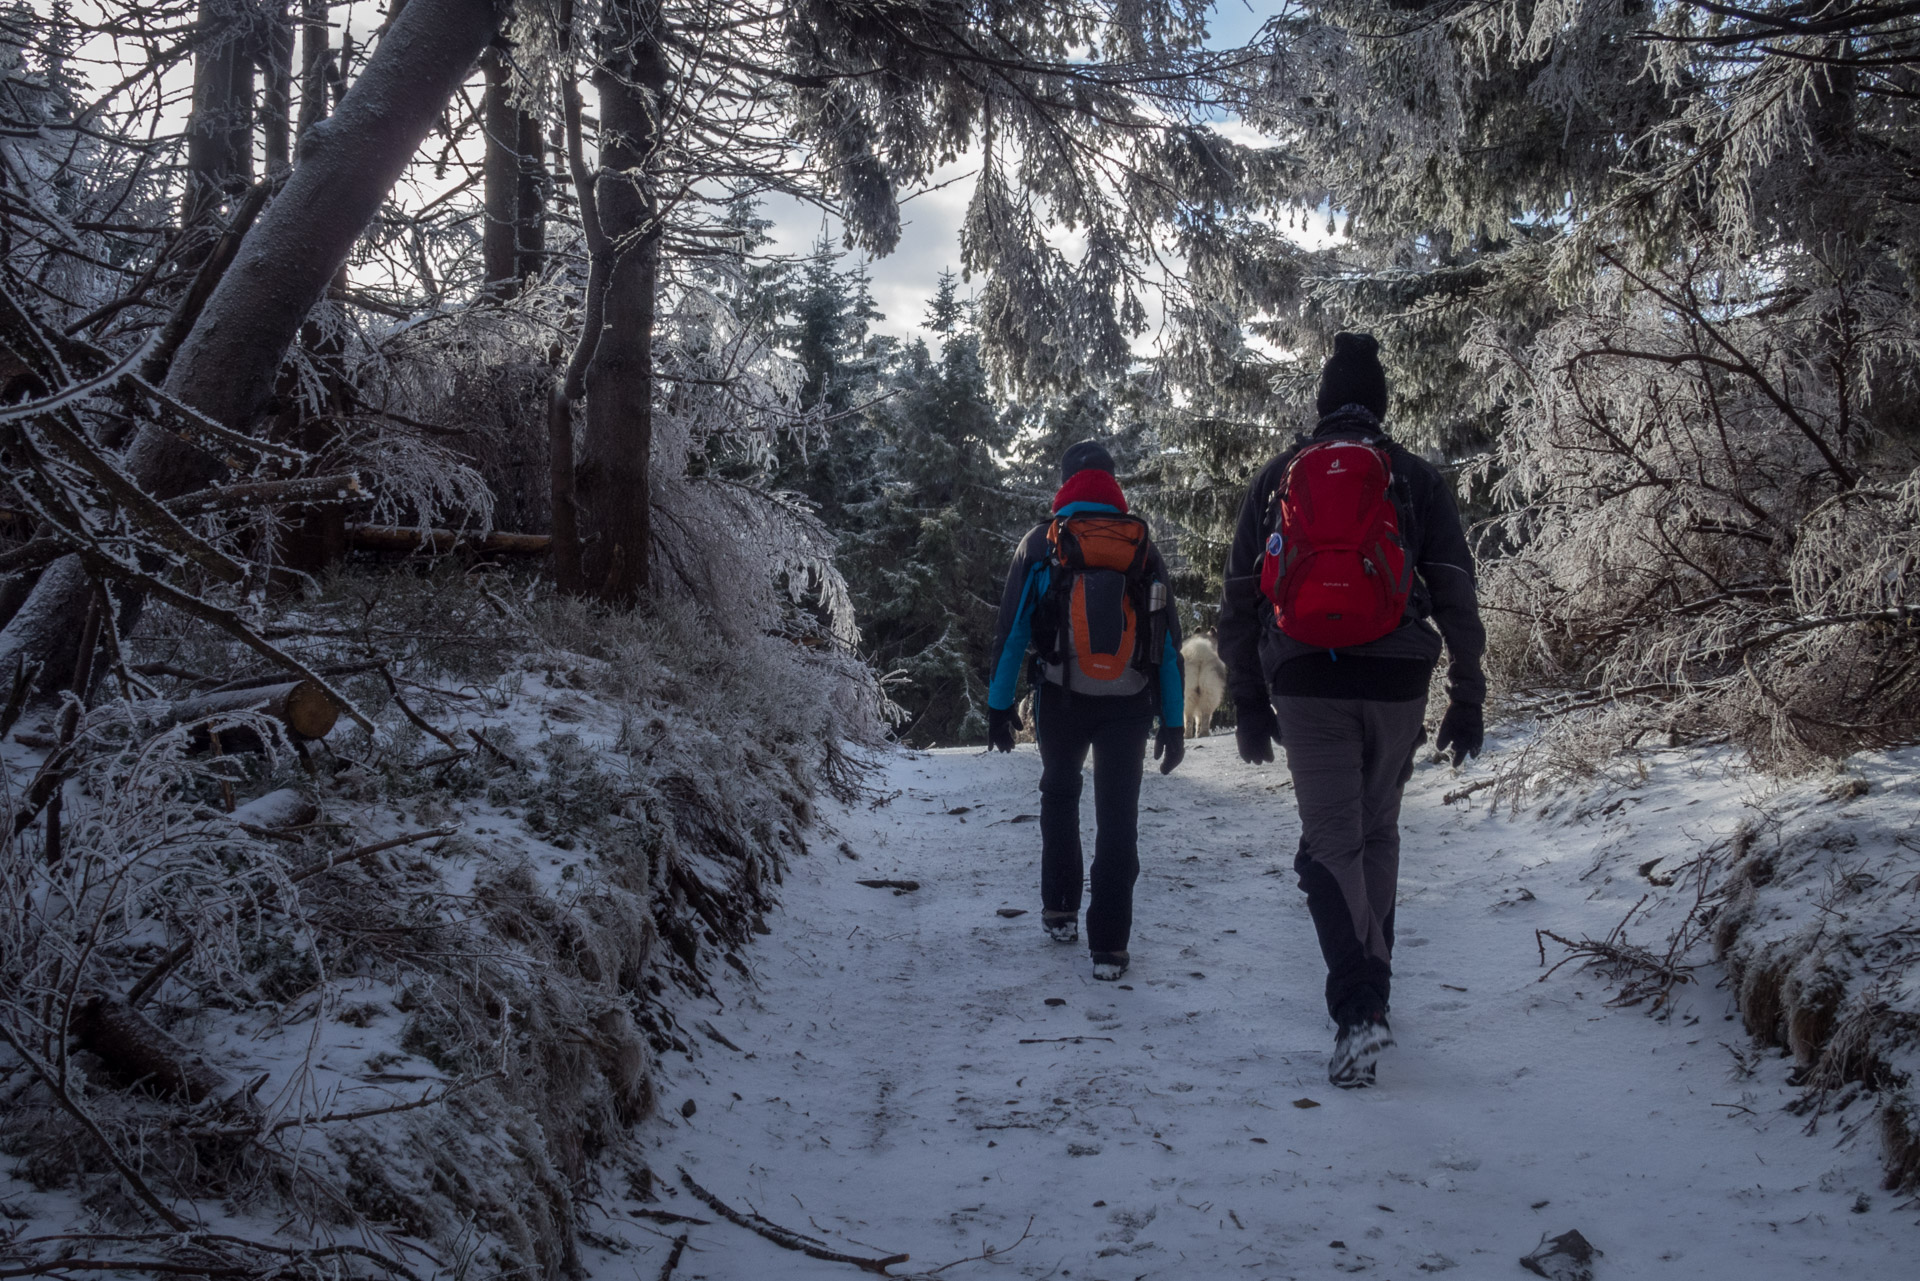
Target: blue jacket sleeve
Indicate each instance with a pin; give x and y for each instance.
(1027, 580)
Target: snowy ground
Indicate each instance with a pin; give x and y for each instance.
(916, 1073)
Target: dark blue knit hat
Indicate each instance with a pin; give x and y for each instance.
(1088, 455)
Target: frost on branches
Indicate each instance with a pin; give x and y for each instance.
(1711, 538)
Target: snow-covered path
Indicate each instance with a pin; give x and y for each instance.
(918, 1073)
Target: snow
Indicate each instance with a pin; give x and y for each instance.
(903, 1084)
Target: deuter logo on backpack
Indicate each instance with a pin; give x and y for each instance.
(1335, 566)
(1099, 602)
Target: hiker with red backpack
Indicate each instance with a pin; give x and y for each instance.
(1349, 570)
(1088, 592)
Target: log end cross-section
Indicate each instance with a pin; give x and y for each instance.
(304, 707)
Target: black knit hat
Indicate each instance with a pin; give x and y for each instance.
(1353, 376)
(1088, 455)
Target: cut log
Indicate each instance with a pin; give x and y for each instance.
(137, 1051)
(440, 542)
(287, 807)
(302, 706)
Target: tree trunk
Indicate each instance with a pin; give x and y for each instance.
(530, 218)
(614, 495)
(227, 365)
(315, 52)
(510, 242)
(137, 1051)
(500, 172)
(276, 98)
(220, 133)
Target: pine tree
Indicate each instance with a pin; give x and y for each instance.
(926, 556)
(825, 310)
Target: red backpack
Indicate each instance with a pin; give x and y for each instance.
(1335, 566)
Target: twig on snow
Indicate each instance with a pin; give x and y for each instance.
(787, 1237)
(1046, 1040)
(1461, 793)
(1641, 973)
(367, 851)
(487, 743)
(668, 1216)
(337, 1118)
(144, 988)
(673, 1260)
(989, 1252)
(418, 721)
(207, 1241)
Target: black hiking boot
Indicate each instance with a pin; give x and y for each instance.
(1357, 1048)
(1108, 966)
(1062, 927)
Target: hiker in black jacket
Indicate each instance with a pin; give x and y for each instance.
(1350, 719)
(1094, 690)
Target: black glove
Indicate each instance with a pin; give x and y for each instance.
(1000, 726)
(1256, 729)
(1462, 729)
(1173, 742)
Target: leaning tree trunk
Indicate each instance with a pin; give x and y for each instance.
(614, 496)
(226, 366)
(347, 164)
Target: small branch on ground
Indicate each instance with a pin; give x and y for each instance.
(496, 752)
(990, 1252)
(367, 851)
(673, 1259)
(1641, 974)
(668, 1216)
(1461, 793)
(412, 716)
(787, 1237)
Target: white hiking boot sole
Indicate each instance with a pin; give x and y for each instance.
(1108, 966)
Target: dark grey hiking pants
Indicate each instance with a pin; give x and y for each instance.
(1350, 758)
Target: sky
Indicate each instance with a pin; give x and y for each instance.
(903, 282)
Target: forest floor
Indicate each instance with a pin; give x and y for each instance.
(917, 1072)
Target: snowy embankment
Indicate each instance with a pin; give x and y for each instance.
(919, 1072)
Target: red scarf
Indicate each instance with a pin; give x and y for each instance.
(1090, 486)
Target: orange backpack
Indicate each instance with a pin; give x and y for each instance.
(1099, 592)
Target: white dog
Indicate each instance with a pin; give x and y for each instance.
(1206, 684)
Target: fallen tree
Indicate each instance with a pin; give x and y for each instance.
(228, 362)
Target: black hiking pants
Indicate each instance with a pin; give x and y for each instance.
(1066, 726)
(1350, 758)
